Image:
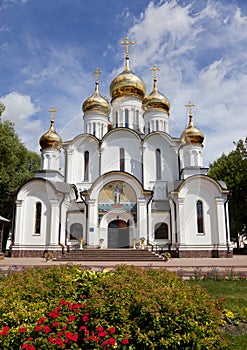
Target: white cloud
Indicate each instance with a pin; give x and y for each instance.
(20, 110)
(201, 50)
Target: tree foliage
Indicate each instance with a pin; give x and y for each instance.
(232, 169)
(17, 164)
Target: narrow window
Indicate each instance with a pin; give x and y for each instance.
(37, 228)
(158, 164)
(157, 125)
(121, 159)
(137, 120)
(161, 231)
(116, 119)
(86, 163)
(199, 211)
(126, 118)
(148, 128)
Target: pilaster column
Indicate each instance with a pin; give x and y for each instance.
(142, 218)
(54, 226)
(221, 221)
(18, 222)
(181, 221)
(92, 222)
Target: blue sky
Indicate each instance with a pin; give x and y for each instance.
(49, 48)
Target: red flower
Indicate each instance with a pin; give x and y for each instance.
(28, 347)
(55, 324)
(25, 346)
(111, 341)
(38, 328)
(82, 328)
(125, 341)
(102, 334)
(71, 318)
(64, 327)
(85, 317)
(22, 330)
(5, 330)
(46, 329)
(71, 336)
(54, 314)
(112, 330)
(63, 302)
(99, 329)
(41, 320)
(84, 296)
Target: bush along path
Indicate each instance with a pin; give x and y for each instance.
(128, 308)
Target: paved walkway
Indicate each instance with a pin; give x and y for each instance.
(238, 263)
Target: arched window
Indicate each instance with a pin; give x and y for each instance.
(161, 231)
(94, 129)
(126, 114)
(76, 231)
(121, 163)
(116, 119)
(157, 125)
(86, 164)
(158, 163)
(148, 128)
(199, 212)
(37, 228)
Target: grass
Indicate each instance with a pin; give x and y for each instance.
(235, 293)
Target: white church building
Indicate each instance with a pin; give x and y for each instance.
(125, 179)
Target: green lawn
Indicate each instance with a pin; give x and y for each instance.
(235, 293)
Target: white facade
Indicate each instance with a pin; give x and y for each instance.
(125, 178)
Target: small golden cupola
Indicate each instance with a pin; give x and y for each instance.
(192, 134)
(96, 102)
(155, 100)
(127, 82)
(51, 140)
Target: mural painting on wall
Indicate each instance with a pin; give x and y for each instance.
(117, 195)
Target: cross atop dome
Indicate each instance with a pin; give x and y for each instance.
(52, 111)
(190, 106)
(127, 43)
(155, 69)
(97, 72)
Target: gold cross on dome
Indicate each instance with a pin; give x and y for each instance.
(155, 69)
(52, 111)
(127, 43)
(97, 72)
(190, 105)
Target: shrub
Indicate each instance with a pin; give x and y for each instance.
(130, 308)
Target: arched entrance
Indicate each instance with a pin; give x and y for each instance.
(118, 234)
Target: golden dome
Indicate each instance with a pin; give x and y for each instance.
(191, 134)
(155, 100)
(51, 139)
(127, 83)
(97, 103)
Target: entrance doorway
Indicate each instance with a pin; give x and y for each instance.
(118, 234)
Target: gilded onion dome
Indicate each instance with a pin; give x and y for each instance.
(191, 134)
(96, 102)
(51, 140)
(155, 100)
(127, 82)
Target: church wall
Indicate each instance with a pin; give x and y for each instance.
(169, 164)
(111, 153)
(160, 217)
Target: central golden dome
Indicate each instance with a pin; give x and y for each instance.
(127, 83)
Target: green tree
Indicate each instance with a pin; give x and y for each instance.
(232, 169)
(17, 164)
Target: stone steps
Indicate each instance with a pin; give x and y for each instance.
(109, 255)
